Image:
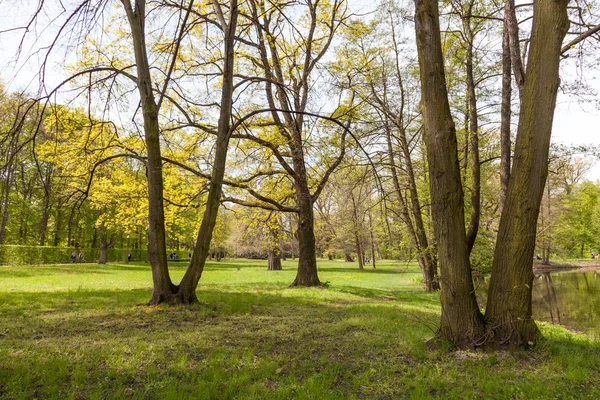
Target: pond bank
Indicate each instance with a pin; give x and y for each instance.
(581, 265)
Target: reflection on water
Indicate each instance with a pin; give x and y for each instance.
(571, 299)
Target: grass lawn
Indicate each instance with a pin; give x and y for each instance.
(83, 331)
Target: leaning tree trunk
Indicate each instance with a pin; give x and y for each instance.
(473, 137)
(187, 288)
(461, 322)
(508, 311)
(505, 111)
(163, 288)
(425, 253)
(427, 264)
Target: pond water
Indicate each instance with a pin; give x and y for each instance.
(570, 298)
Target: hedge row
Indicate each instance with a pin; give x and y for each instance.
(16, 254)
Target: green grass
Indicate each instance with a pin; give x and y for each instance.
(83, 331)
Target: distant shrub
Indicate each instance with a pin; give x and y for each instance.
(17, 254)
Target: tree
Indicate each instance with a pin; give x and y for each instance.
(284, 62)
(508, 311)
(376, 56)
(461, 321)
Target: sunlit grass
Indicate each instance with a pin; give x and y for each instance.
(84, 331)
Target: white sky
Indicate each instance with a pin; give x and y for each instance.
(579, 124)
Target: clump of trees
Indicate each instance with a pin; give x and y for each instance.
(321, 132)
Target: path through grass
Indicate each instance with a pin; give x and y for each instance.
(83, 331)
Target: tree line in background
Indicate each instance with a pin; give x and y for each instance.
(302, 129)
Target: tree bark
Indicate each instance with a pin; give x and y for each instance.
(163, 288)
(7, 182)
(427, 263)
(505, 111)
(274, 260)
(103, 244)
(307, 262)
(47, 183)
(372, 241)
(473, 136)
(189, 283)
(359, 248)
(57, 224)
(461, 321)
(508, 312)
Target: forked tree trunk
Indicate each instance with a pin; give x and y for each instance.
(461, 322)
(508, 311)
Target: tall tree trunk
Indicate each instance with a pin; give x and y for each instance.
(473, 134)
(372, 241)
(7, 182)
(357, 241)
(189, 283)
(47, 183)
(508, 311)
(70, 227)
(57, 224)
(427, 263)
(505, 111)
(360, 255)
(426, 254)
(163, 288)
(426, 258)
(548, 235)
(461, 322)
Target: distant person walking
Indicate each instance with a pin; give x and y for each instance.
(80, 257)
(128, 257)
(73, 256)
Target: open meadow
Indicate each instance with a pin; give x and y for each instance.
(83, 331)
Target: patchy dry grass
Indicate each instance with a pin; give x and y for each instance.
(83, 331)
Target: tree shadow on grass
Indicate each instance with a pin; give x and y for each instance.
(413, 297)
(69, 269)
(363, 271)
(243, 345)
